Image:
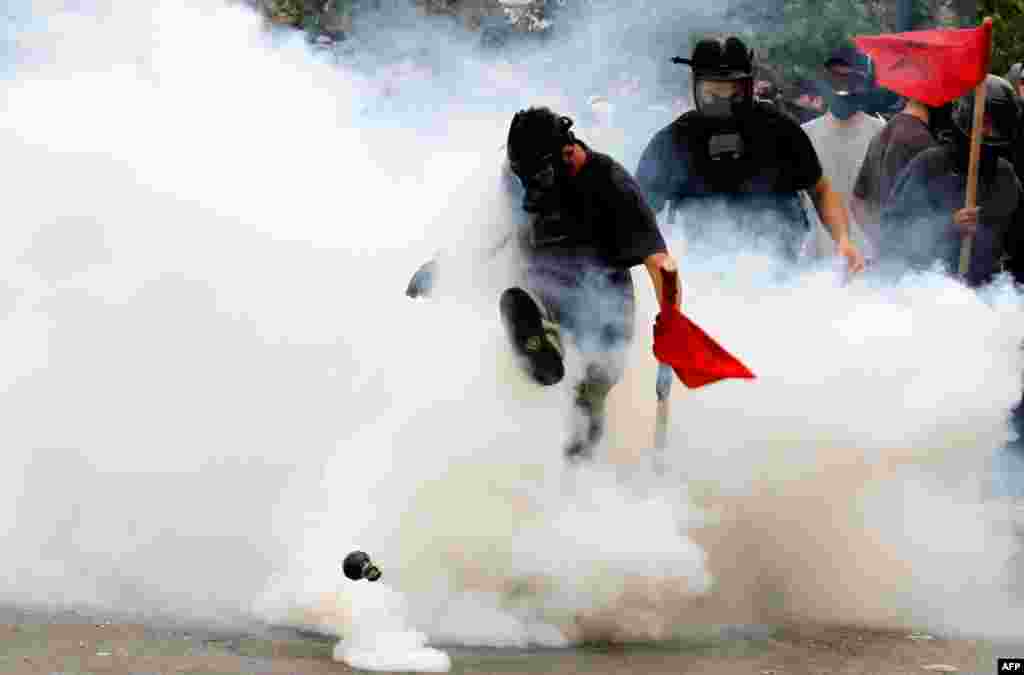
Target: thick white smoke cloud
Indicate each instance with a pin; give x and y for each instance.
(214, 388)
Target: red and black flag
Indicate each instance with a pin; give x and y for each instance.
(931, 66)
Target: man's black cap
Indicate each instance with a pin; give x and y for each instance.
(851, 57)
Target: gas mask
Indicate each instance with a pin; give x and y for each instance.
(725, 145)
(1001, 122)
(539, 178)
(536, 140)
(723, 99)
(543, 200)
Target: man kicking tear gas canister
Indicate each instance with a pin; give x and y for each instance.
(587, 225)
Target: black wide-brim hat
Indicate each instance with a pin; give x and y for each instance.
(718, 59)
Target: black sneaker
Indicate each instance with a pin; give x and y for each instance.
(533, 336)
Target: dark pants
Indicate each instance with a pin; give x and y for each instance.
(597, 310)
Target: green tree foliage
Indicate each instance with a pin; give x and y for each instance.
(1007, 31)
(796, 36)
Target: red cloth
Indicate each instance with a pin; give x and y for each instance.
(697, 359)
(931, 66)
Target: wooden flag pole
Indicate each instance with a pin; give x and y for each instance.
(977, 127)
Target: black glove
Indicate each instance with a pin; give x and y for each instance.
(422, 283)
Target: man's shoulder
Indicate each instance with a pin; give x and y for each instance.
(812, 125)
(875, 122)
(1007, 174)
(604, 167)
(602, 163)
(673, 136)
(903, 126)
(870, 128)
(773, 116)
(932, 162)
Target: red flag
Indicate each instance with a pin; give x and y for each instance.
(697, 359)
(931, 66)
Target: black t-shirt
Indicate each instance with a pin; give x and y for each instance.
(917, 218)
(756, 192)
(604, 225)
(902, 138)
(614, 220)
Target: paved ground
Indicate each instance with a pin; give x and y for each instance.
(32, 642)
(80, 647)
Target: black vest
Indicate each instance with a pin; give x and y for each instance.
(731, 181)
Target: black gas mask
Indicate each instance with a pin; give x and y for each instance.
(723, 78)
(535, 142)
(1001, 124)
(726, 104)
(539, 178)
(723, 99)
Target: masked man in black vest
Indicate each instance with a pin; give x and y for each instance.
(736, 165)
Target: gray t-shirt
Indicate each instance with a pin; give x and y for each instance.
(841, 149)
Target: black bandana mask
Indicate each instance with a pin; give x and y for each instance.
(845, 106)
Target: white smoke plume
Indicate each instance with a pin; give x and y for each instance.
(214, 387)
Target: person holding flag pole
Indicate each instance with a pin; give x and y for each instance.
(934, 212)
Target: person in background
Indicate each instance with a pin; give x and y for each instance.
(737, 165)
(1016, 153)
(842, 135)
(890, 151)
(806, 103)
(925, 220)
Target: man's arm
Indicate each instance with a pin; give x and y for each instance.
(864, 202)
(862, 212)
(832, 212)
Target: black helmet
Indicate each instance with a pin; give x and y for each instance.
(533, 136)
(1001, 107)
(720, 59)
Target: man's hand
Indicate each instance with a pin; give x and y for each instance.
(423, 280)
(655, 263)
(965, 221)
(832, 212)
(854, 258)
